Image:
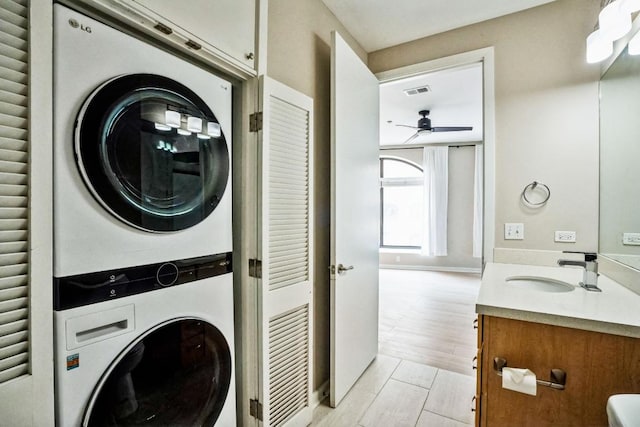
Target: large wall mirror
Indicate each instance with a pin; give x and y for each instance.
(620, 160)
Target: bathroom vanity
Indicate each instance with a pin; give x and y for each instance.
(593, 337)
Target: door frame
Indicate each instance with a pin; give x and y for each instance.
(486, 57)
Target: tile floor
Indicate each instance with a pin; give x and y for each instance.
(395, 392)
(413, 382)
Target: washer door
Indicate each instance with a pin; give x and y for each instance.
(177, 374)
(152, 152)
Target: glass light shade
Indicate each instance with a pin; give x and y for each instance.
(213, 129)
(630, 6)
(162, 126)
(614, 22)
(598, 49)
(172, 118)
(634, 44)
(194, 124)
(184, 132)
(203, 136)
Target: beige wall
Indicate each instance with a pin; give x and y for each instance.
(299, 55)
(546, 115)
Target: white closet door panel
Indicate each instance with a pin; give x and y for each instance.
(26, 370)
(286, 250)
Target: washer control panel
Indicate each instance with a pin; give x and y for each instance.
(91, 288)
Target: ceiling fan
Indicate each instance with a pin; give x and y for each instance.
(424, 126)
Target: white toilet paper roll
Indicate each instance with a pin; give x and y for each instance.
(520, 380)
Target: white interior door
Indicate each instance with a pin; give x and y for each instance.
(285, 215)
(355, 218)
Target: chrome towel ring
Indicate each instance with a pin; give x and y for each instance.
(532, 188)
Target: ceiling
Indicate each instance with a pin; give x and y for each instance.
(455, 96)
(377, 24)
(454, 99)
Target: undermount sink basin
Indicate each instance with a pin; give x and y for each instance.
(623, 410)
(543, 284)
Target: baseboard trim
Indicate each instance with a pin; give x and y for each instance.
(431, 268)
(319, 395)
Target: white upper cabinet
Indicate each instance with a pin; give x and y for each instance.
(228, 34)
(228, 27)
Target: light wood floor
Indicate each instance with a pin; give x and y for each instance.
(427, 317)
(422, 376)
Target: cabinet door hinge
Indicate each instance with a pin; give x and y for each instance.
(255, 268)
(255, 122)
(163, 28)
(255, 409)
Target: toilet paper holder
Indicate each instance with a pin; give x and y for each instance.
(557, 381)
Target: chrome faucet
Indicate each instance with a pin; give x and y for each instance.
(590, 265)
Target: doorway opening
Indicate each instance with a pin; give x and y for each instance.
(431, 172)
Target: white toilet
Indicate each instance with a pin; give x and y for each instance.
(623, 410)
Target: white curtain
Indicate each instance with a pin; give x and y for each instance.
(435, 164)
(478, 203)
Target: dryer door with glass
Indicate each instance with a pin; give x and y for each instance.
(177, 374)
(151, 152)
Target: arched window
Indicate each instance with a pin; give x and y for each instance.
(401, 203)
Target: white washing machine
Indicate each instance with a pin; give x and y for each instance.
(143, 288)
(162, 358)
(141, 152)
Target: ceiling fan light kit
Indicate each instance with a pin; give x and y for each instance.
(614, 22)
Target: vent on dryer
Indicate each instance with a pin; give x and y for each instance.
(417, 90)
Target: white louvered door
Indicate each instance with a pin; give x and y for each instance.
(26, 385)
(286, 250)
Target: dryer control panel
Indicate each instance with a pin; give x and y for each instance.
(91, 288)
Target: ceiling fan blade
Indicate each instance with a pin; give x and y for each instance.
(407, 126)
(450, 128)
(412, 137)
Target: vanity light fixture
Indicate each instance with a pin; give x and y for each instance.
(614, 21)
(183, 132)
(630, 6)
(634, 45)
(172, 118)
(203, 136)
(162, 126)
(194, 124)
(598, 49)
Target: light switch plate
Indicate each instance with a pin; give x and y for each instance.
(513, 231)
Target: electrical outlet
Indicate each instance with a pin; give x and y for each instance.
(513, 231)
(565, 236)
(632, 239)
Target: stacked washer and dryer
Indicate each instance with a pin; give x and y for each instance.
(143, 290)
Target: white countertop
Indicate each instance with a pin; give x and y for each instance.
(615, 310)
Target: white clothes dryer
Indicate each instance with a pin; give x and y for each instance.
(141, 152)
(143, 286)
(162, 358)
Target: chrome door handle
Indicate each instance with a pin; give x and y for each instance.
(342, 269)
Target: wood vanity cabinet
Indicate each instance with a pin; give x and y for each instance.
(597, 365)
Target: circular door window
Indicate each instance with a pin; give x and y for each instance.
(152, 152)
(176, 375)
